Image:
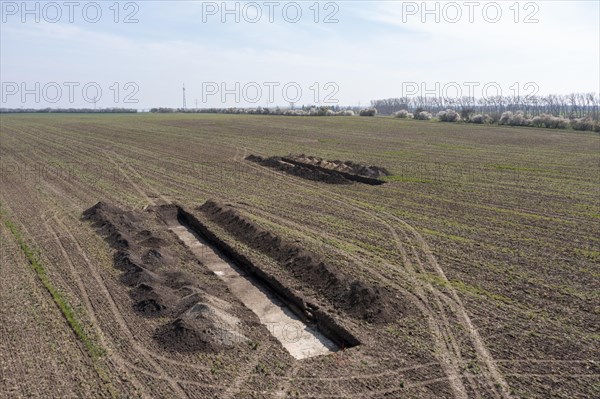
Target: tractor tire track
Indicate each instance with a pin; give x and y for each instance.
(119, 362)
(493, 374)
(439, 330)
(119, 317)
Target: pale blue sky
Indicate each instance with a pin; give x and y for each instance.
(370, 53)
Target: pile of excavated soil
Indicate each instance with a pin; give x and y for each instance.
(317, 169)
(350, 167)
(355, 297)
(303, 308)
(204, 326)
(199, 321)
(113, 223)
(298, 170)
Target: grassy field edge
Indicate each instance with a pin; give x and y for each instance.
(63, 304)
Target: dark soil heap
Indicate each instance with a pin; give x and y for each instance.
(318, 169)
(298, 170)
(358, 299)
(350, 167)
(199, 320)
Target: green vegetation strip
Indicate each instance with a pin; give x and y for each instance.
(58, 297)
(465, 288)
(405, 179)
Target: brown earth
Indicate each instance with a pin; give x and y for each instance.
(197, 322)
(35, 339)
(349, 167)
(298, 170)
(508, 215)
(361, 300)
(318, 169)
(200, 321)
(296, 300)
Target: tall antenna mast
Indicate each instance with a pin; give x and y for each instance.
(184, 104)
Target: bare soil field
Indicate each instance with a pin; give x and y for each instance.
(473, 272)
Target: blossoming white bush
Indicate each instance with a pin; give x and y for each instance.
(423, 116)
(584, 124)
(403, 114)
(368, 112)
(550, 121)
(448, 116)
(516, 119)
(480, 118)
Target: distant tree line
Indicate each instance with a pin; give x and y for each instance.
(305, 110)
(547, 121)
(68, 111)
(575, 105)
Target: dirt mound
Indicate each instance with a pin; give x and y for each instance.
(204, 326)
(152, 242)
(168, 214)
(157, 258)
(355, 297)
(199, 321)
(298, 170)
(318, 169)
(112, 223)
(138, 275)
(177, 280)
(134, 270)
(126, 261)
(350, 167)
(148, 300)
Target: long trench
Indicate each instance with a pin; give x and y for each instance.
(298, 338)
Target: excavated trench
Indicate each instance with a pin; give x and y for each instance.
(303, 331)
(331, 172)
(350, 176)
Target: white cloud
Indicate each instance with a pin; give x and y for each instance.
(369, 54)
